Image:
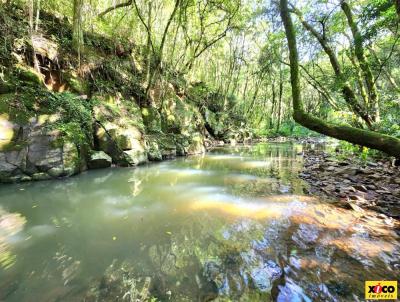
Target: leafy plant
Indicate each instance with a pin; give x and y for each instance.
(75, 116)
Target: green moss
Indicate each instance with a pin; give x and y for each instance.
(13, 146)
(5, 87)
(151, 119)
(75, 121)
(5, 100)
(113, 108)
(76, 84)
(17, 107)
(58, 142)
(29, 74)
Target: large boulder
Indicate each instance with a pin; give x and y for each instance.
(196, 144)
(151, 119)
(190, 145)
(119, 130)
(31, 150)
(98, 160)
(180, 117)
(134, 157)
(161, 147)
(111, 136)
(153, 150)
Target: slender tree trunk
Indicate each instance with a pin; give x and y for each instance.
(359, 79)
(31, 7)
(77, 30)
(30, 12)
(320, 88)
(37, 15)
(271, 121)
(245, 88)
(278, 122)
(365, 68)
(230, 77)
(148, 46)
(159, 56)
(348, 93)
(253, 99)
(370, 139)
(174, 43)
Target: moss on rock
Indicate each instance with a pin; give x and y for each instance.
(151, 120)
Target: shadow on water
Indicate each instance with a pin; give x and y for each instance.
(233, 225)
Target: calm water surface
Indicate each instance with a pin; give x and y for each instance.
(233, 225)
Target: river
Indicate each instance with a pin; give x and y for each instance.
(235, 224)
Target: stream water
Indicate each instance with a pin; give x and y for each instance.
(232, 225)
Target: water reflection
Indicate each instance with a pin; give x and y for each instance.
(10, 225)
(233, 225)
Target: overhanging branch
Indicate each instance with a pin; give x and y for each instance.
(110, 9)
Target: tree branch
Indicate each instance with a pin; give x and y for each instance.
(110, 9)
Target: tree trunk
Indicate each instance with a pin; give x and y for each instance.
(37, 15)
(159, 55)
(364, 66)
(278, 122)
(77, 30)
(271, 120)
(370, 139)
(31, 5)
(347, 92)
(148, 46)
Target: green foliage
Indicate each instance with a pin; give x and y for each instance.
(288, 129)
(75, 116)
(205, 96)
(363, 154)
(378, 15)
(13, 27)
(390, 127)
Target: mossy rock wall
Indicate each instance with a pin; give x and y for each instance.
(119, 130)
(31, 151)
(50, 130)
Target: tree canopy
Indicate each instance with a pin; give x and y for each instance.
(347, 58)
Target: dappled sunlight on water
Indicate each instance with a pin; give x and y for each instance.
(241, 209)
(232, 225)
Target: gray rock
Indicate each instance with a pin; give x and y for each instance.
(40, 176)
(361, 188)
(55, 172)
(5, 166)
(134, 157)
(154, 152)
(71, 159)
(99, 159)
(38, 153)
(396, 180)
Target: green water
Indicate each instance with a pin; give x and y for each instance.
(232, 225)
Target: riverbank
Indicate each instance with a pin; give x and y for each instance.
(371, 185)
(60, 115)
